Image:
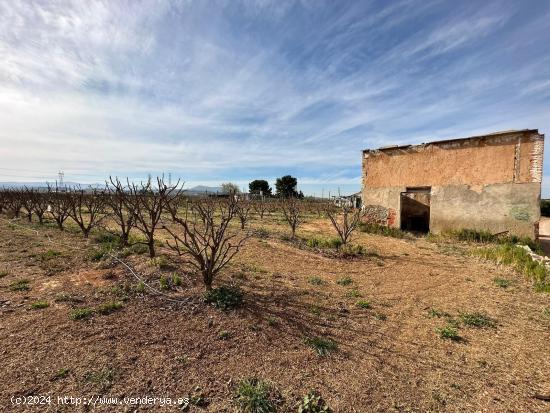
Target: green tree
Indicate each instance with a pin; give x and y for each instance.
(286, 186)
(230, 188)
(259, 185)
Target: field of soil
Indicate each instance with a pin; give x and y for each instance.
(167, 342)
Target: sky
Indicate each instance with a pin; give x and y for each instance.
(217, 91)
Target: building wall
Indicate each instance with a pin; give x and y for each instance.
(490, 182)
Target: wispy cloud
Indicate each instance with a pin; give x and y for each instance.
(238, 90)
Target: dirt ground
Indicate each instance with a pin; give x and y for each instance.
(389, 356)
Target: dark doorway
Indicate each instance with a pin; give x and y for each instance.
(415, 209)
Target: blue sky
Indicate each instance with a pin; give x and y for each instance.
(216, 91)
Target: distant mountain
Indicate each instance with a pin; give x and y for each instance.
(202, 189)
(45, 184)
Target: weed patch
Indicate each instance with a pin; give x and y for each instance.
(521, 261)
(81, 313)
(322, 346)
(323, 243)
(344, 281)
(255, 396)
(225, 297)
(353, 294)
(448, 333)
(477, 320)
(4, 273)
(38, 305)
(20, 285)
(61, 374)
(109, 308)
(364, 304)
(49, 255)
(316, 281)
(313, 403)
(502, 282)
(377, 229)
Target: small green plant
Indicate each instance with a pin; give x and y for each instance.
(352, 251)
(546, 312)
(176, 279)
(140, 287)
(344, 281)
(161, 262)
(477, 320)
(39, 305)
(322, 346)
(4, 273)
(354, 293)
(502, 282)
(164, 282)
(448, 332)
(364, 304)
(316, 281)
(225, 297)
(255, 396)
(61, 374)
(49, 255)
(313, 403)
(102, 377)
(272, 321)
(224, 335)
(108, 308)
(81, 313)
(20, 285)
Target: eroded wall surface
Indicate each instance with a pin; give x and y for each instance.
(490, 182)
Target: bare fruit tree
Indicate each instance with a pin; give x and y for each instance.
(59, 205)
(243, 208)
(121, 210)
(87, 209)
(40, 205)
(147, 204)
(293, 212)
(14, 202)
(203, 235)
(260, 207)
(27, 201)
(344, 219)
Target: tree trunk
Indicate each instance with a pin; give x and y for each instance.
(151, 245)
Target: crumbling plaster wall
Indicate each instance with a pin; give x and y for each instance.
(490, 182)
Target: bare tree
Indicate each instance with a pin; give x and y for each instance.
(121, 210)
(40, 205)
(147, 204)
(14, 202)
(86, 209)
(344, 219)
(27, 201)
(243, 208)
(293, 213)
(60, 204)
(203, 235)
(260, 207)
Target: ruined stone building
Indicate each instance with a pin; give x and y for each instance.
(490, 182)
